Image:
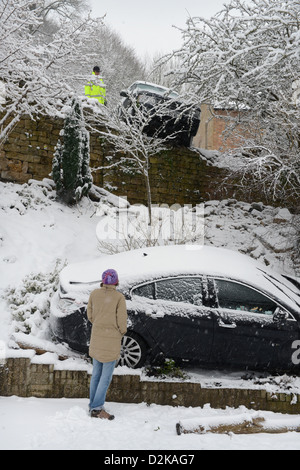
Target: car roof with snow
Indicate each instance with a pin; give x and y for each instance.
(138, 266)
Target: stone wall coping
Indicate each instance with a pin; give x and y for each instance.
(30, 375)
(82, 365)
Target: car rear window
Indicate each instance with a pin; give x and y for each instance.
(145, 290)
(180, 289)
(184, 289)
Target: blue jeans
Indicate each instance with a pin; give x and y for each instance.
(101, 378)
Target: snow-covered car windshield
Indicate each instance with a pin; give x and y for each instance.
(287, 285)
(156, 89)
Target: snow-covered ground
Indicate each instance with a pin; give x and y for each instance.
(41, 424)
(35, 232)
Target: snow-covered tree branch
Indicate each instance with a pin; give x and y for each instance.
(246, 59)
(30, 67)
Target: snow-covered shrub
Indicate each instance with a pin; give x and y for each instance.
(70, 168)
(29, 303)
(166, 370)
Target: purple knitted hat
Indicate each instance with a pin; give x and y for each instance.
(110, 277)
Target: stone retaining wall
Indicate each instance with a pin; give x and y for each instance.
(28, 151)
(177, 176)
(22, 377)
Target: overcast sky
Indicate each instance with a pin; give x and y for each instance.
(147, 25)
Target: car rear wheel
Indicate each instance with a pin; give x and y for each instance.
(133, 351)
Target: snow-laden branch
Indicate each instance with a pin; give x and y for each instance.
(246, 60)
(32, 69)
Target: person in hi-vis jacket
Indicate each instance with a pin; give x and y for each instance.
(95, 88)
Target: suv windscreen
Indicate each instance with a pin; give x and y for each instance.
(233, 295)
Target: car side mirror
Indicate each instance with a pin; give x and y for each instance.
(124, 94)
(280, 315)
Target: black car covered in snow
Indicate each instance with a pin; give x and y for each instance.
(203, 304)
(164, 111)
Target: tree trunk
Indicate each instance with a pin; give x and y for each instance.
(149, 199)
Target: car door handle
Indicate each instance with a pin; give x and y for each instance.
(149, 313)
(227, 325)
(155, 314)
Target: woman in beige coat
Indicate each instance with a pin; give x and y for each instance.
(108, 314)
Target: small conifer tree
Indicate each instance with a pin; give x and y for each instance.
(71, 163)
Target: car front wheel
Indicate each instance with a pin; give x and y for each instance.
(133, 351)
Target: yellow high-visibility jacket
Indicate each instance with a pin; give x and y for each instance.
(95, 88)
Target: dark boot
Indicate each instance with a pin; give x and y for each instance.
(102, 414)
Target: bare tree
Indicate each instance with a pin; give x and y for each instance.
(128, 135)
(136, 137)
